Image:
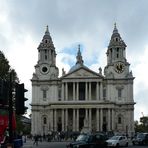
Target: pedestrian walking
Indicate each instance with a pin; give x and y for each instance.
(35, 140)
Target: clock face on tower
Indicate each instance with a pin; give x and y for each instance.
(44, 69)
(119, 67)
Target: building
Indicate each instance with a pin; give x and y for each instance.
(82, 98)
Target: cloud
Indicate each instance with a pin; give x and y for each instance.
(89, 23)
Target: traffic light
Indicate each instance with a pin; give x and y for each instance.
(4, 92)
(20, 99)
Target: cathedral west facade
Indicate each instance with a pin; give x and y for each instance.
(81, 98)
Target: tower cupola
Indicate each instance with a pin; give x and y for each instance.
(116, 48)
(46, 50)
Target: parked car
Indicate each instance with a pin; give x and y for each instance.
(117, 141)
(89, 141)
(140, 139)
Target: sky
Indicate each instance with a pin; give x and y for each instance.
(86, 22)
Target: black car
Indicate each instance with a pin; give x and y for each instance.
(140, 139)
(89, 141)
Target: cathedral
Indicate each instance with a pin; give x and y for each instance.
(82, 98)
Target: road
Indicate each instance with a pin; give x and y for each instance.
(29, 144)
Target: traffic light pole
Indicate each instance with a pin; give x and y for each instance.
(10, 112)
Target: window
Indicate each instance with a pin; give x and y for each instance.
(117, 53)
(44, 94)
(45, 54)
(104, 93)
(119, 93)
(119, 120)
(59, 93)
(44, 120)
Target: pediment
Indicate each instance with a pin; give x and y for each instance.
(83, 73)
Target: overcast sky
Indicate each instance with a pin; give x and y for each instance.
(72, 22)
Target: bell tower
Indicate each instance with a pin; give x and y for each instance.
(46, 64)
(117, 65)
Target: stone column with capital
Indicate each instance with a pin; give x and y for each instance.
(97, 119)
(77, 120)
(74, 92)
(109, 121)
(86, 91)
(74, 120)
(66, 119)
(101, 119)
(90, 119)
(89, 90)
(63, 120)
(66, 87)
(63, 90)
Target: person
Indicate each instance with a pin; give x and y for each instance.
(35, 140)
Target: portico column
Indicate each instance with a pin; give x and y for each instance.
(101, 119)
(66, 118)
(63, 120)
(55, 120)
(113, 121)
(109, 121)
(89, 90)
(86, 114)
(74, 91)
(63, 91)
(86, 119)
(97, 118)
(77, 120)
(86, 91)
(74, 120)
(101, 90)
(51, 119)
(90, 126)
(97, 91)
(77, 90)
(66, 91)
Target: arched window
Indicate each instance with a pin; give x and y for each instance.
(45, 120)
(119, 120)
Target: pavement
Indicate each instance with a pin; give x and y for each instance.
(30, 143)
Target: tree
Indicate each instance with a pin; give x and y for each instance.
(5, 69)
(143, 125)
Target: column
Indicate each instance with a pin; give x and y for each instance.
(97, 91)
(51, 119)
(74, 121)
(86, 115)
(63, 91)
(86, 91)
(97, 118)
(32, 123)
(113, 122)
(77, 91)
(63, 120)
(90, 124)
(74, 91)
(77, 120)
(55, 120)
(89, 90)
(101, 90)
(66, 119)
(109, 121)
(66, 93)
(101, 119)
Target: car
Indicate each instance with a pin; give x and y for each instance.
(117, 141)
(140, 139)
(89, 141)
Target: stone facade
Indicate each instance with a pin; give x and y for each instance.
(82, 98)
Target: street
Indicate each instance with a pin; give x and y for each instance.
(29, 144)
